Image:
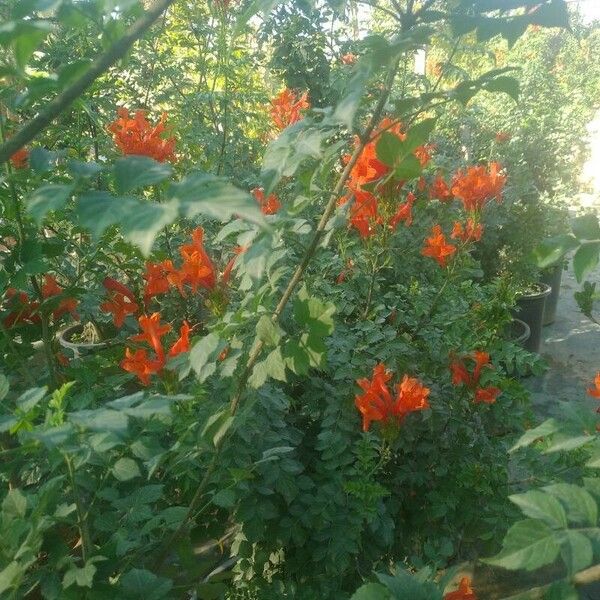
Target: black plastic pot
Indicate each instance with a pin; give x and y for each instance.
(552, 277)
(517, 332)
(530, 308)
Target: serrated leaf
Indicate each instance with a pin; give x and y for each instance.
(47, 198)
(539, 505)
(30, 398)
(132, 172)
(217, 426)
(576, 551)
(586, 259)
(580, 506)
(528, 545)
(268, 332)
(125, 469)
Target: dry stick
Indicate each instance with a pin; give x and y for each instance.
(293, 283)
(54, 108)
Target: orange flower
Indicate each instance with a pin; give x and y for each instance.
(460, 375)
(404, 212)
(486, 395)
(269, 205)
(121, 301)
(156, 278)
(224, 353)
(437, 248)
(197, 268)
(20, 158)
(139, 363)
(377, 403)
(286, 107)
(183, 343)
(421, 184)
(349, 58)
(439, 189)
(478, 185)
(138, 136)
(364, 213)
(423, 154)
(22, 309)
(68, 305)
(229, 267)
(464, 591)
(472, 232)
(152, 332)
(502, 137)
(595, 391)
(411, 396)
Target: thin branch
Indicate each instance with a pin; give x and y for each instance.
(54, 108)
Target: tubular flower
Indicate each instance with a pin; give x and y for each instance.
(378, 404)
(464, 591)
(51, 288)
(436, 246)
(461, 376)
(471, 232)
(22, 309)
(487, 395)
(286, 107)
(156, 278)
(197, 269)
(183, 343)
(423, 154)
(439, 190)
(404, 212)
(363, 213)
(349, 58)
(152, 332)
(595, 391)
(136, 135)
(20, 158)
(269, 205)
(121, 301)
(229, 266)
(478, 185)
(139, 363)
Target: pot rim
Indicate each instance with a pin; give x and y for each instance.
(526, 332)
(65, 343)
(545, 292)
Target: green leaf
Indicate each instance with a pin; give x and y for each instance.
(4, 386)
(14, 505)
(224, 498)
(132, 172)
(29, 35)
(217, 426)
(528, 545)
(418, 134)
(83, 577)
(565, 442)
(313, 313)
(9, 575)
(586, 227)
(551, 250)
(47, 198)
(268, 332)
(586, 259)
(371, 591)
(388, 148)
(125, 469)
(409, 168)
(581, 508)
(539, 505)
(27, 400)
(576, 551)
(546, 428)
(203, 355)
(145, 585)
(214, 197)
(508, 85)
(273, 366)
(139, 222)
(296, 357)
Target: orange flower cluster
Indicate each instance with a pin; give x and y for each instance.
(269, 205)
(286, 107)
(461, 376)
(440, 190)
(197, 270)
(20, 158)
(478, 185)
(464, 591)
(594, 391)
(437, 247)
(22, 309)
(378, 404)
(470, 232)
(143, 364)
(120, 303)
(51, 288)
(136, 135)
(364, 212)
